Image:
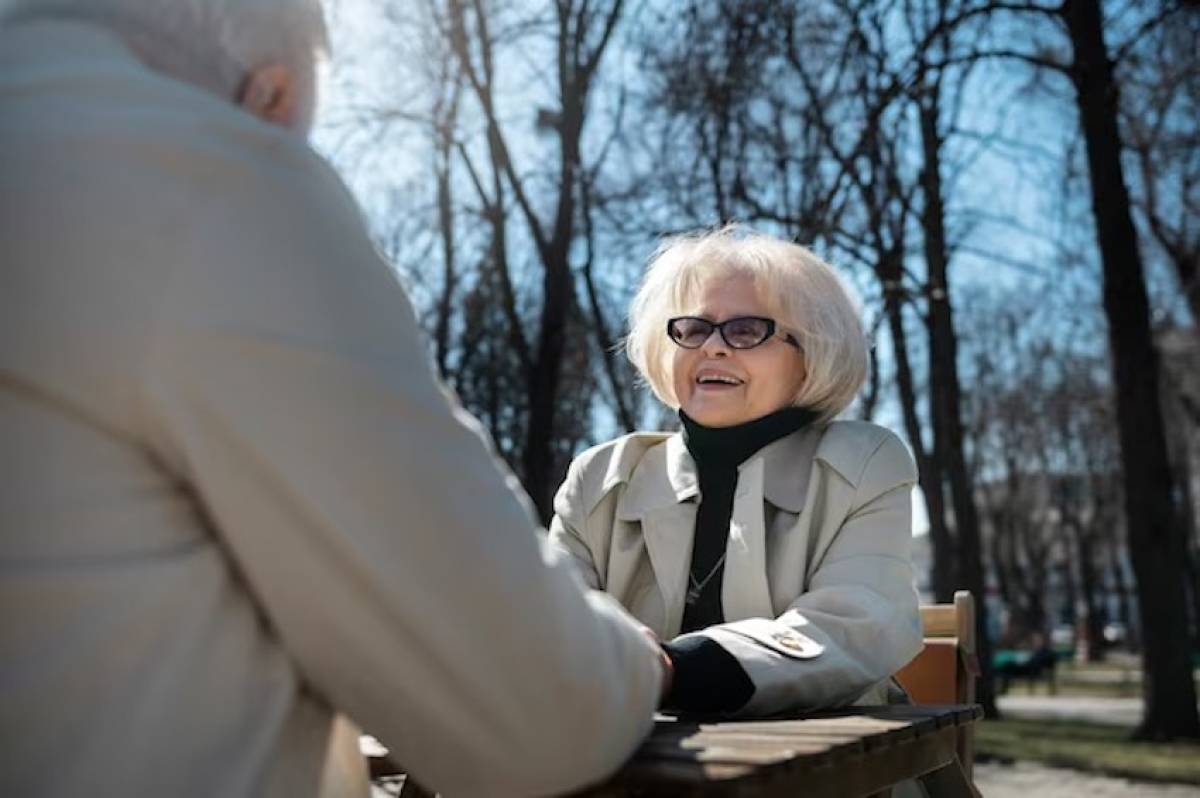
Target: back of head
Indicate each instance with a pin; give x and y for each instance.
(212, 44)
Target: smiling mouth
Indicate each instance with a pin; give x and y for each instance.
(717, 381)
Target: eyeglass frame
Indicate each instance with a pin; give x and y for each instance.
(719, 327)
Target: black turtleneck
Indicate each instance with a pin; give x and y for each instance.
(718, 451)
(708, 678)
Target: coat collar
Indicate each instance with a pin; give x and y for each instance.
(667, 474)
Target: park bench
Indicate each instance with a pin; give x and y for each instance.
(854, 751)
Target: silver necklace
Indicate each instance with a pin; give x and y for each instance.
(693, 594)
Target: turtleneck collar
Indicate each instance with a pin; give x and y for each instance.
(718, 449)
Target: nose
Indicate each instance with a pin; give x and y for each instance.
(714, 345)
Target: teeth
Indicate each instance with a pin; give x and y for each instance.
(719, 378)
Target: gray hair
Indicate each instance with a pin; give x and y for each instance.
(209, 43)
(802, 292)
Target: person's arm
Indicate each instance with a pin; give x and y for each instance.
(288, 385)
(857, 623)
(568, 526)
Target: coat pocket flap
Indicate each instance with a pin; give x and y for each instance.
(778, 637)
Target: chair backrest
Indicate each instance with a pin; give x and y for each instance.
(945, 670)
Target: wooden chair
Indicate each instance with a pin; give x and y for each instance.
(945, 670)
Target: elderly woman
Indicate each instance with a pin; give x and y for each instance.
(767, 543)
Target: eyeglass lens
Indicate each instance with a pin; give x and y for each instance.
(740, 333)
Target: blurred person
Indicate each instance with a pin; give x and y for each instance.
(766, 542)
(235, 502)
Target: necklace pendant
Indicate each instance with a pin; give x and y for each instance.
(693, 595)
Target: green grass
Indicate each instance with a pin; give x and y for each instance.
(1090, 747)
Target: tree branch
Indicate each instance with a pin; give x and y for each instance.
(1042, 62)
(1120, 52)
(603, 338)
(495, 134)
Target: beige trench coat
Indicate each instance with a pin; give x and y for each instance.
(234, 502)
(818, 589)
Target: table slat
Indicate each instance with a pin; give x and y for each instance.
(832, 753)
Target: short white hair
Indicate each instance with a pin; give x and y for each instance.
(800, 291)
(210, 43)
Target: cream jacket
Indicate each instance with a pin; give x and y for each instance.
(233, 500)
(818, 589)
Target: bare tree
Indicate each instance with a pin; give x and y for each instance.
(1155, 534)
(581, 32)
(930, 32)
(1039, 414)
(495, 96)
(1159, 76)
(1079, 53)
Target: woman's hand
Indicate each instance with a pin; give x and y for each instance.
(668, 666)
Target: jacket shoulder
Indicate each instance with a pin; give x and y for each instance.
(863, 452)
(596, 471)
(615, 461)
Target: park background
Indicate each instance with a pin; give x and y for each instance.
(1012, 187)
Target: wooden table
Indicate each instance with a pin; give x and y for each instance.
(853, 752)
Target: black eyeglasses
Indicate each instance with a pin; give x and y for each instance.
(742, 332)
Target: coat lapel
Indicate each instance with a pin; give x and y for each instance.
(778, 474)
(668, 532)
(787, 468)
(745, 592)
(662, 498)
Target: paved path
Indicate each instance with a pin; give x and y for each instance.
(1030, 780)
(1110, 711)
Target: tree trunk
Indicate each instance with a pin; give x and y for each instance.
(1094, 617)
(1186, 265)
(445, 205)
(1179, 452)
(622, 401)
(998, 523)
(545, 380)
(1035, 605)
(928, 473)
(946, 398)
(1155, 536)
(1133, 633)
(1192, 583)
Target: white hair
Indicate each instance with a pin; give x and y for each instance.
(209, 43)
(803, 294)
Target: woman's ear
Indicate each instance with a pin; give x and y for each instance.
(269, 92)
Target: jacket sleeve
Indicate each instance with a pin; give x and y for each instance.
(858, 622)
(568, 526)
(394, 558)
